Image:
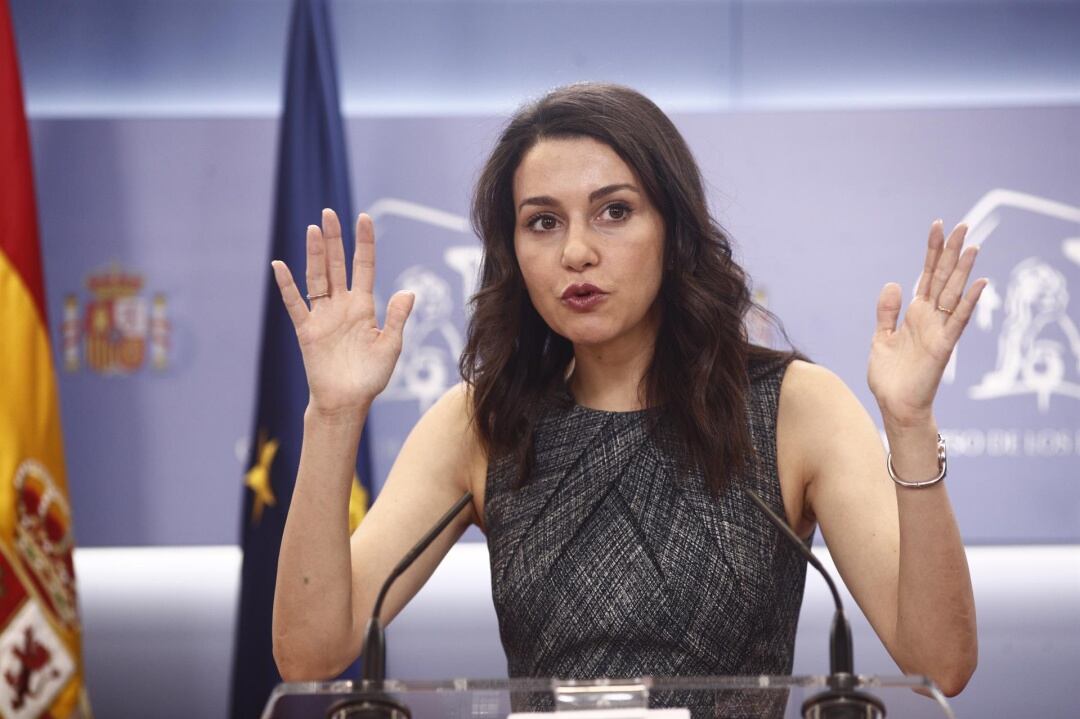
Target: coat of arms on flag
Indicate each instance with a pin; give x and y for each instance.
(44, 542)
(35, 664)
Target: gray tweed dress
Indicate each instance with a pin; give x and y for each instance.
(607, 564)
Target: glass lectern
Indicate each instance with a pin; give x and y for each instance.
(901, 697)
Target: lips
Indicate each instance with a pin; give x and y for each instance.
(582, 297)
(581, 290)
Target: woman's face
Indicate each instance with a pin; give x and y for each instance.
(589, 243)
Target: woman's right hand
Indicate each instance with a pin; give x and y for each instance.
(347, 358)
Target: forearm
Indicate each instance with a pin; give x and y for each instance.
(935, 622)
(313, 604)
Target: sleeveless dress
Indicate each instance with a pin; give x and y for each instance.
(607, 564)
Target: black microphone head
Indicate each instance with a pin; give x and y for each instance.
(843, 705)
(843, 701)
(369, 705)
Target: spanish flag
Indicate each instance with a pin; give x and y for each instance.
(40, 662)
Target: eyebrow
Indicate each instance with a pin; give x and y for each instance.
(546, 200)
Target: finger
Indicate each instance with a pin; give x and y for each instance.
(335, 251)
(316, 262)
(958, 320)
(888, 307)
(290, 295)
(954, 288)
(947, 262)
(364, 257)
(397, 311)
(933, 250)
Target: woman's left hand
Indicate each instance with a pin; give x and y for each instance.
(907, 362)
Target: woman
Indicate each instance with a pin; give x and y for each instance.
(610, 408)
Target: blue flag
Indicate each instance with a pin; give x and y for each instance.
(311, 174)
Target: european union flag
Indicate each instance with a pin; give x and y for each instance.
(312, 173)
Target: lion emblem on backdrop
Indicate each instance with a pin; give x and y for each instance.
(1037, 347)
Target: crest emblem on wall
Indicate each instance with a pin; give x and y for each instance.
(1026, 307)
(435, 332)
(118, 331)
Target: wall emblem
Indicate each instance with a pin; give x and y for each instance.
(1026, 308)
(434, 334)
(1038, 345)
(118, 330)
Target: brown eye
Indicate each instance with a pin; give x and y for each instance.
(617, 211)
(542, 223)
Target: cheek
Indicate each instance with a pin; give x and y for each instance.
(527, 266)
(650, 286)
(649, 260)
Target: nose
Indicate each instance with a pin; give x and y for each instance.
(579, 248)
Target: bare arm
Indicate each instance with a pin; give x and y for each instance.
(313, 599)
(898, 549)
(326, 584)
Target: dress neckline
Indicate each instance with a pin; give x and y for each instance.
(576, 406)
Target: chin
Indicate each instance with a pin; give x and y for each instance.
(586, 337)
(589, 331)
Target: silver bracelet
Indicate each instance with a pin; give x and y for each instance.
(942, 461)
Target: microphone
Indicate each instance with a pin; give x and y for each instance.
(841, 700)
(372, 702)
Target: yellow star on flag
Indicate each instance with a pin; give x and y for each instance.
(258, 478)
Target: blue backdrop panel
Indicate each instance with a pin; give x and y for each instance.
(825, 207)
(183, 207)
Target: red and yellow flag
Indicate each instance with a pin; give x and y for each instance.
(40, 661)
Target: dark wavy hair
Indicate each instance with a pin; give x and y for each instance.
(700, 372)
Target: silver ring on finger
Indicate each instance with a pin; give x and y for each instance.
(317, 296)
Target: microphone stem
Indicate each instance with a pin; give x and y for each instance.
(374, 647)
(840, 649)
(416, 551)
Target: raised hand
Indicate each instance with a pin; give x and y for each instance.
(347, 358)
(907, 362)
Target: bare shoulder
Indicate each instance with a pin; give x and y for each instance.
(452, 411)
(448, 426)
(815, 401)
(808, 384)
(445, 442)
